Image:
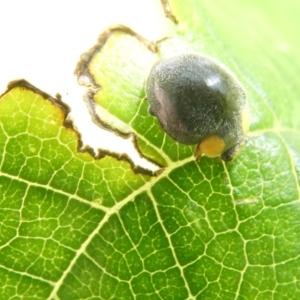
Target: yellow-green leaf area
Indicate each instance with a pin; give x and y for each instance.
(37, 148)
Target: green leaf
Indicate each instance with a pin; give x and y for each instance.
(75, 227)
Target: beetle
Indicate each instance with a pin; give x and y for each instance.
(197, 100)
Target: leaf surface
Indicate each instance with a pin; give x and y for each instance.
(73, 227)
